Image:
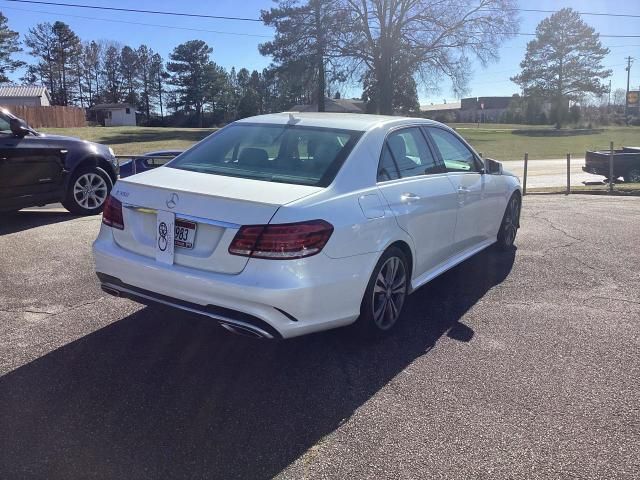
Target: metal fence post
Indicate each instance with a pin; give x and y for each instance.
(568, 173)
(611, 179)
(524, 180)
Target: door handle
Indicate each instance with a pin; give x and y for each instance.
(409, 197)
(462, 190)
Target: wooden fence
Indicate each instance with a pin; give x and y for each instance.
(39, 117)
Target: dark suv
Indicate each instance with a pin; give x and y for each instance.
(36, 169)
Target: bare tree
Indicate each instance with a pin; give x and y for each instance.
(619, 96)
(428, 38)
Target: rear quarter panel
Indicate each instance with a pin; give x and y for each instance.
(354, 233)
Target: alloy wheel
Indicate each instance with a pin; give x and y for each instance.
(90, 191)
(389, 293)
(511, 220)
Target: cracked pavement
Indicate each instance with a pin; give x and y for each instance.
(521, 365)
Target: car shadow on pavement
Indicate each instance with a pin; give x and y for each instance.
(26, 219)
(161, 394)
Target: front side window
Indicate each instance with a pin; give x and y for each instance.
(408, 152)
(456, 155)
(275, 153)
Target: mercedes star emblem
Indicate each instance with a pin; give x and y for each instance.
(173, 200)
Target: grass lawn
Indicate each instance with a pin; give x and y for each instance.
(618, 189)
(498, 126)
(135, 140)
(548, 143)
(499, 141)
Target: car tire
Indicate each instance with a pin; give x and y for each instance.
(510, 224)
(632, 176)
(385, 295)
(87, 191)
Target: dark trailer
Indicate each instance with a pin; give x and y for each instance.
(626, 163)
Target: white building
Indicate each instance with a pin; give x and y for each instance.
(115, 114)
(27, 95)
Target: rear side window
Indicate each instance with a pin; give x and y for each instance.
(387, 170)
(455, 154)
(275, 153)
(406, 154)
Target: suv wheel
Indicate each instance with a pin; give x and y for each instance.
(87, 192)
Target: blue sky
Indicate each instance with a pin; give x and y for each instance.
(241, 50)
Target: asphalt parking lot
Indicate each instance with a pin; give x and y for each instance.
(523, 365)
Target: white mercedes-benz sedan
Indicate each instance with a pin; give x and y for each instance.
(286, 224)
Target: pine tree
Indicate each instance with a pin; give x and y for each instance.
(129, 70)
(112, 75)
(9, 45)
(158, 77)
(57, 48)
(194, 75)
(303, 43)
(563, 62)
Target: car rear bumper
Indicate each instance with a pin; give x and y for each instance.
(269, 298)
(232, 320)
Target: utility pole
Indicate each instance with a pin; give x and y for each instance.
(626, 99)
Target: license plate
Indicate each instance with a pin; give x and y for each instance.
(185, 233)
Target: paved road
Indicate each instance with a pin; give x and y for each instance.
(517, 365)
(552, 173)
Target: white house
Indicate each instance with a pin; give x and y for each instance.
(28, 95)
(115, 114)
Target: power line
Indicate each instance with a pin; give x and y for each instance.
(141, 23)
(59, 4)
(534, 34)
(245, 19)
(536, 10)
(134, 10)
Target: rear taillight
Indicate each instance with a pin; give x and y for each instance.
(281, 241)
(112, 213)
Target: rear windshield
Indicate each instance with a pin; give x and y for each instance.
(274, 153)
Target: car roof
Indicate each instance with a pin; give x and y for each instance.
(161, 152)
(346, 121)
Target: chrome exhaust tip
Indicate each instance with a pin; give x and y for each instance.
(241, 330)
(110, 290)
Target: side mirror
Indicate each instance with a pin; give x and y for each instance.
(492, 167)
(19, 127)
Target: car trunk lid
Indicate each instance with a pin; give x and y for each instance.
(217, 206)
